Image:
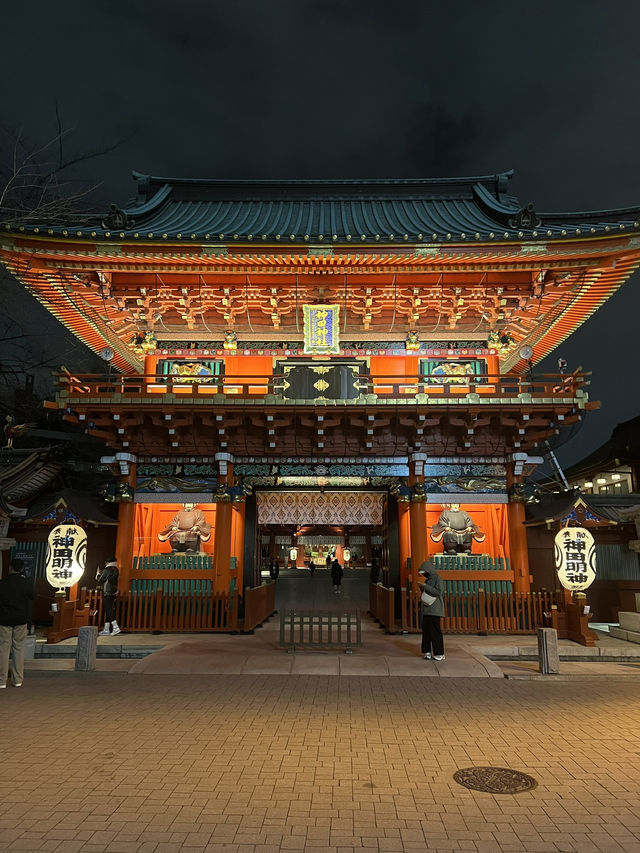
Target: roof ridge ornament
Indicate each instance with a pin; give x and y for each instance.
(526, 218)
(117, 219)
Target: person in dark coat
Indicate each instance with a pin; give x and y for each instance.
(432, 640)
(336, 575)
(312, 567)
(16, 593)
(107, 578)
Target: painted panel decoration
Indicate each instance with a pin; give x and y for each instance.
(321, 328)
(320, 508)
(575, 558)
(175, 485)
(66, 555)
(200, 371)
(449, 371)
(454, 479)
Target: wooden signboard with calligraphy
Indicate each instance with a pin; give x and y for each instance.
(321, 328)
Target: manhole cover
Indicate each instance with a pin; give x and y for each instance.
(494, 780)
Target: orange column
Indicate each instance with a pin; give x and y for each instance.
(237, 538)
(126, 522)
(517, 535)
(222, 533)
(404, 540)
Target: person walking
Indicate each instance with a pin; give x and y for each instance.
(16, 593)
(432, 608)
(107, 578)
(312, 567)
(336, 575)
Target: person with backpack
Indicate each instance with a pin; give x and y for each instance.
(107, 579)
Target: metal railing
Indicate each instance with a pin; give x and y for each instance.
(312, 629)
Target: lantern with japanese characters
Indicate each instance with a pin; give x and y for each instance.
(66, 555)
(575, 558)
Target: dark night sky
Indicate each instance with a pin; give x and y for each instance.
(354, 88)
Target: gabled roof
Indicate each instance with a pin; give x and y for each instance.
(83, 506)
(23, 476)
(412, 210)
(614, 509)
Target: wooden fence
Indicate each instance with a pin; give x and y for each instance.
(382, 606)
(141, 612)
(482, 612)
(259, 604)
(313, 629)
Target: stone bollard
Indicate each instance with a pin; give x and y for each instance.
(548, 656)
(30, 647)
(86, 648)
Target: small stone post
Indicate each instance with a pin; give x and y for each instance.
(86, 648)
(548, 656)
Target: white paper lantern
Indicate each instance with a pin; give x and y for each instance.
(346, 554)
(293, 554)
(575, 558)
(66, 555)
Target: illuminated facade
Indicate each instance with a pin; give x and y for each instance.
(324, 363)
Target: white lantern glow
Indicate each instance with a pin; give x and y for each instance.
(346, 554)
(575, 558)
(66, 555)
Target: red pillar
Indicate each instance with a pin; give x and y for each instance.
(517, 535)
(222, 534)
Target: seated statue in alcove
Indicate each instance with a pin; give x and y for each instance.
(187, 530)
(456, 529)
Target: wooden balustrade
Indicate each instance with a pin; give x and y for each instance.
(378, 385)
(382, 606)
(482, 612)
(141, 612)
(259, 604)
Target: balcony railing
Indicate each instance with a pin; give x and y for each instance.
(371, 388)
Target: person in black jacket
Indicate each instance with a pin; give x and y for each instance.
(107, 578)
(336, 575)
(15, 594)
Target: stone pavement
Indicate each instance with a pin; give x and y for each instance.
(116, 763)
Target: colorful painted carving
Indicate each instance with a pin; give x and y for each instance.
(412, 341)
(230, 341)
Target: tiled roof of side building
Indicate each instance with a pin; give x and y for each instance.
(411, 210)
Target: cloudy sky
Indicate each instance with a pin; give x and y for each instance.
(353, 88)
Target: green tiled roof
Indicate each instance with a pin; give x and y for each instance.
(412, 210)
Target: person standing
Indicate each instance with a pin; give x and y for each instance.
(107, 578)
(336, 575)
(312, 567)
(16, 592)
(433, 587)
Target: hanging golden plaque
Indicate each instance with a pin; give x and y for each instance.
(321, 332)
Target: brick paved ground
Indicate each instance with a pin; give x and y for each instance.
(116, 763)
